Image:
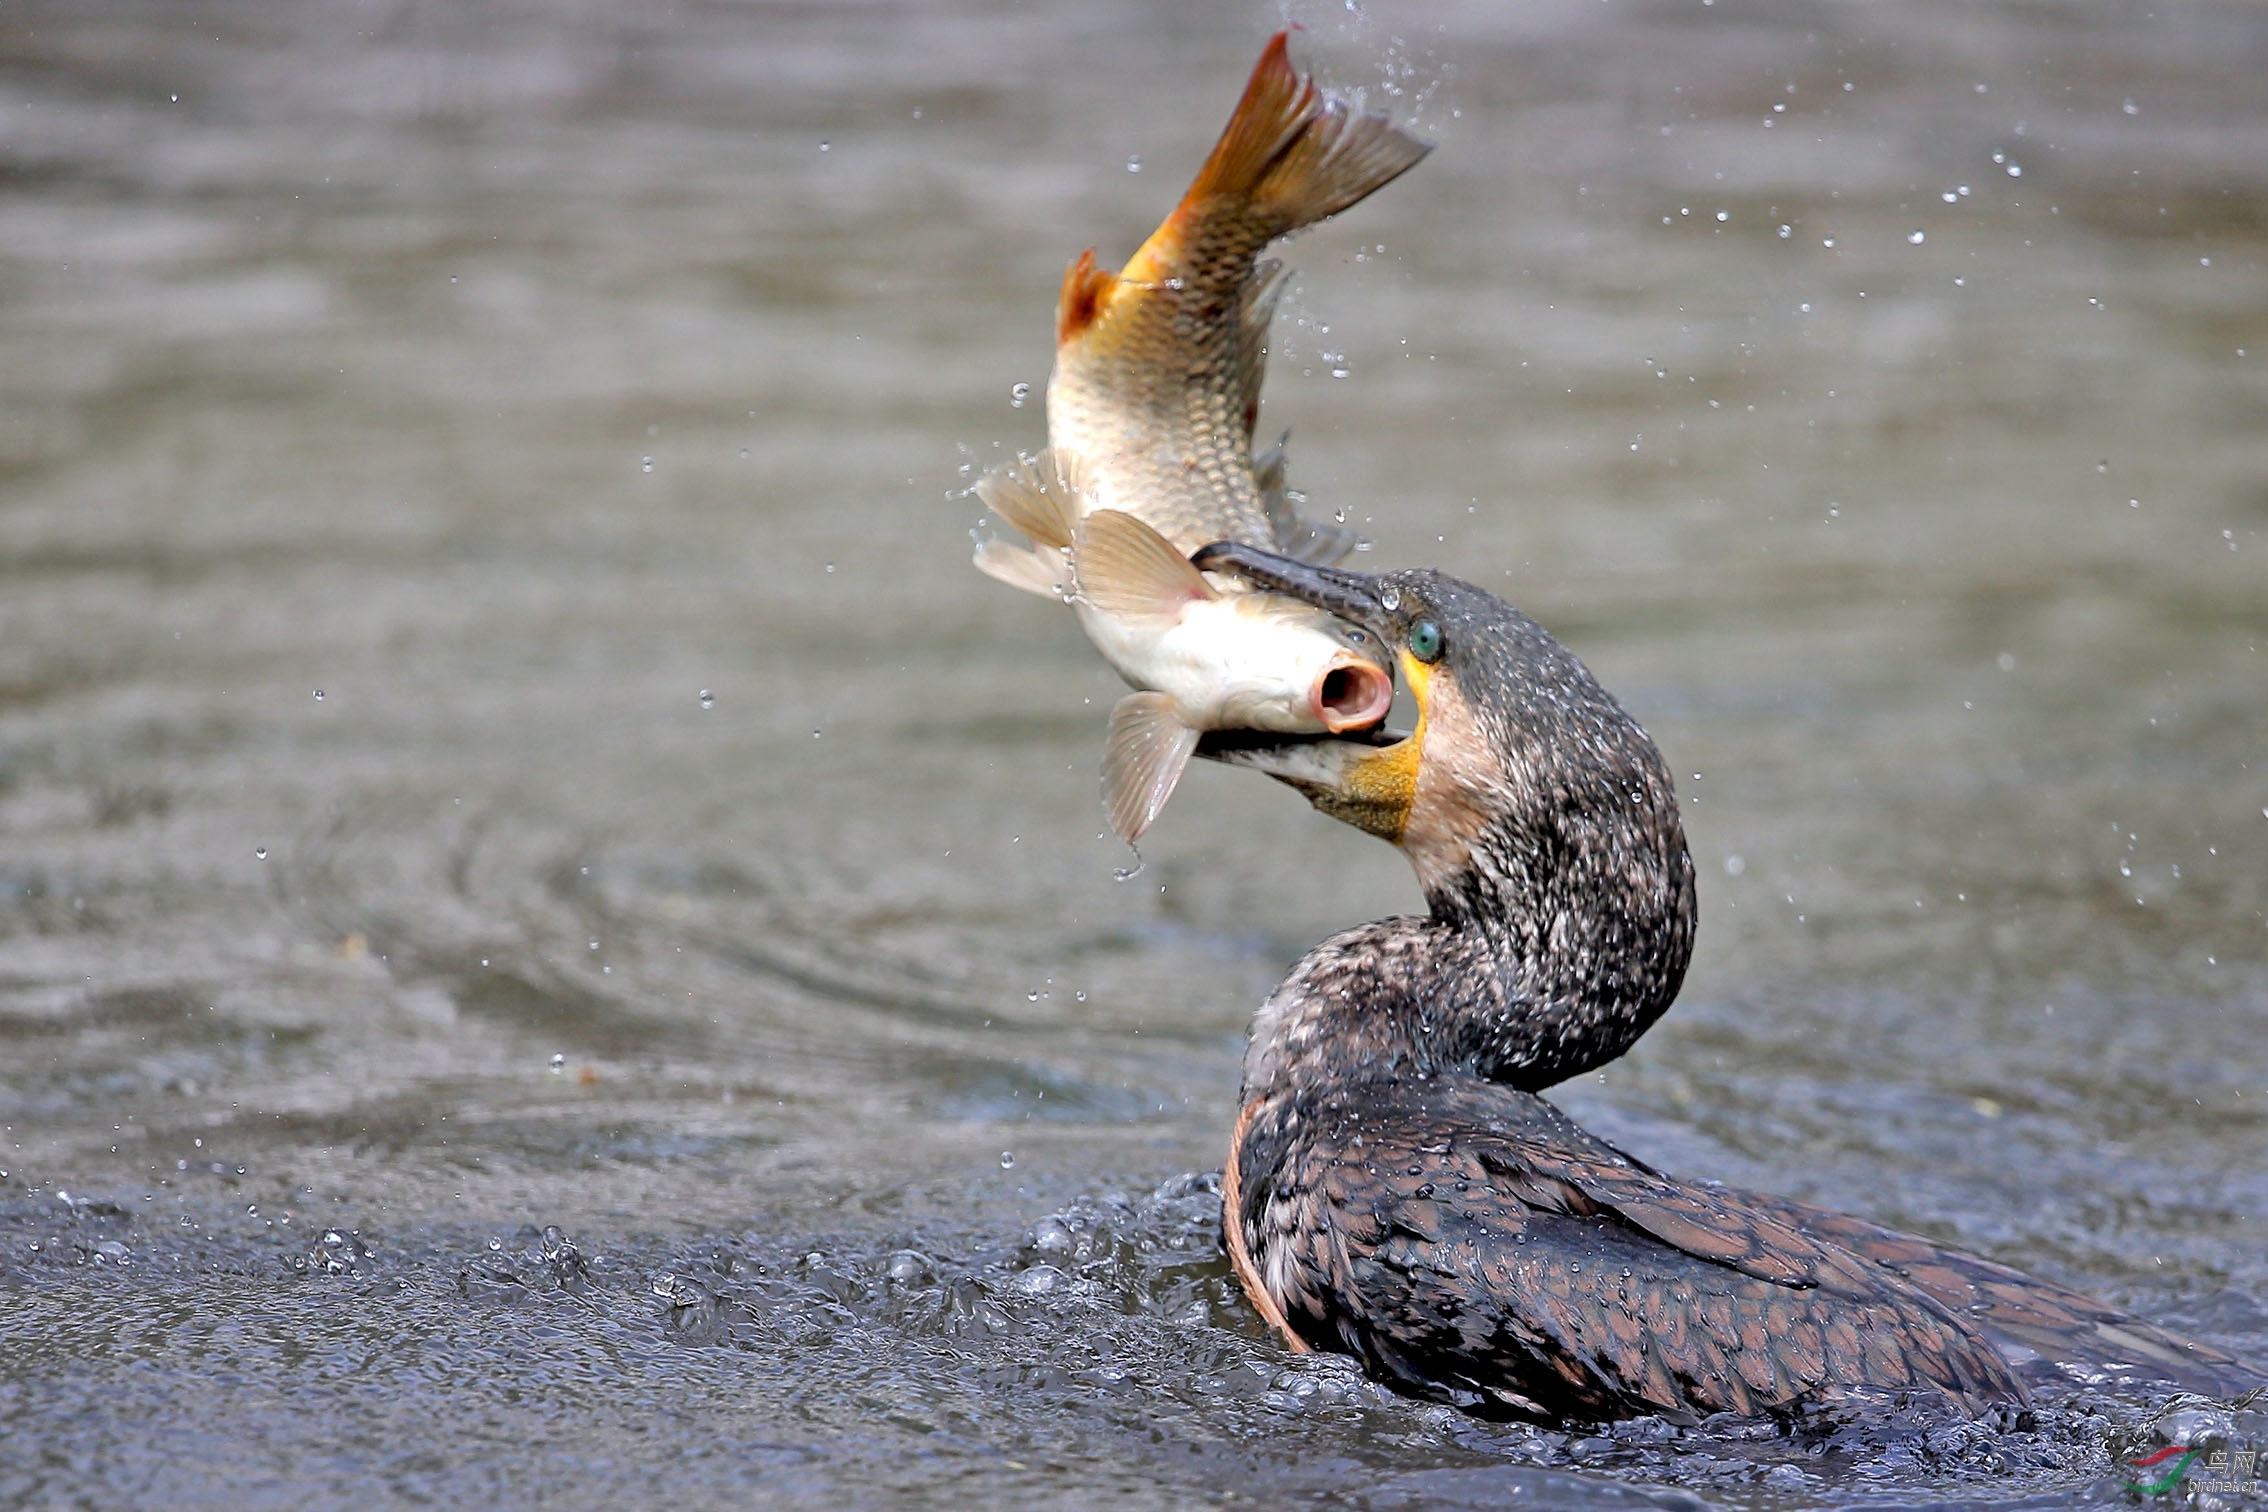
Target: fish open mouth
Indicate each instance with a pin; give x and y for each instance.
(1352, 695)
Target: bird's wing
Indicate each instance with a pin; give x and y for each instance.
(1472, 1243)
(2059, 1325)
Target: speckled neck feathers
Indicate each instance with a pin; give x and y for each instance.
(1553, 862)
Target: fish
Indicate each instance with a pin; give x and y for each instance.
(1151, 412)
(1202, 657)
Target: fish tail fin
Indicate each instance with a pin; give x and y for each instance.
(1122, 567)
(1087, 292)
(1301, 540)
(1291, 155)
(1148, 750)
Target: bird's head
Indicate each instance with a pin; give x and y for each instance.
(1523, 781)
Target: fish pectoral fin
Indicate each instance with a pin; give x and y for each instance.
(1039, 496)
(1121, 566)
(1148, 750)
(1041, 570)
(1316, 545)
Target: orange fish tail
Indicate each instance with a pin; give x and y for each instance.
(1290, 156)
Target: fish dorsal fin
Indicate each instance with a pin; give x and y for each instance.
(1148, 750)
(1121, 566)
(1086, 293)
(1297, 154)
(1040, 496)
(1317, 545)
(1256, 312)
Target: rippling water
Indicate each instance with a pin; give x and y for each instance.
(556, 942)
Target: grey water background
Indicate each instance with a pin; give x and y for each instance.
(556, 942)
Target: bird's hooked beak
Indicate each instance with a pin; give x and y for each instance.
(1366, 778)
(1352, 596)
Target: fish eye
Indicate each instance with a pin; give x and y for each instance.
(1425, 641)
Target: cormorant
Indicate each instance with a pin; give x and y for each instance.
(1397, 1190)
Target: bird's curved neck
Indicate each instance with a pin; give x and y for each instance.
(1511, 978)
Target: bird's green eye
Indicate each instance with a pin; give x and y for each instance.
(1425, 641)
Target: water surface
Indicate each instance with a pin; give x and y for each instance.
(497, 734)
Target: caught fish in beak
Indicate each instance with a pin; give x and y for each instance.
(1151, 410)
(1368, 776)
(1211, 661)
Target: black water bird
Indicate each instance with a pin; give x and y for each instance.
(1395, 1188)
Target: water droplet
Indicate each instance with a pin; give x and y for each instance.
(645, 464)
(1134, 163)
(1389, 598)
(830, 569)
(594, 944)
(1018, 393)
(1723, 216)
(825, 146)
(708, 699)
(558, 1063)
(1949, 196)
(1827, 241)
(2015, 170)
(1007, 1160)
(1916, 238)
(318, 695)
(2128, 107)
(1786, 232)
(1735, 865)
(259, 853)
